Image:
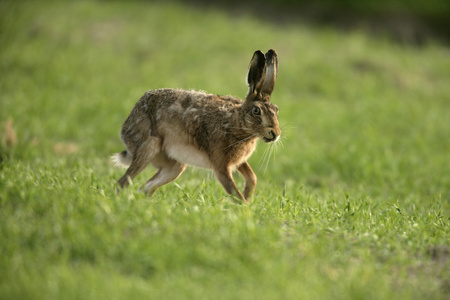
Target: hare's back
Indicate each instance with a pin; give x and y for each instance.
(179, 102)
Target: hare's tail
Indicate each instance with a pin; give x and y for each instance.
(122, 159)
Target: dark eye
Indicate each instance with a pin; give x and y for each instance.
(256, 110)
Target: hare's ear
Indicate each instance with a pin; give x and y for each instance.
(256, 73)
(271, 72)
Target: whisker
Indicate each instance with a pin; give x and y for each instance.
(280, 142)
(267, 158)
(227, 132)
(240, 141)
(288, 126)
(274, 152)
(271, 151)
(263, 158)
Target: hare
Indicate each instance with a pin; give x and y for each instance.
(172, 128)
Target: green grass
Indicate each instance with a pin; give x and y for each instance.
(354, 205)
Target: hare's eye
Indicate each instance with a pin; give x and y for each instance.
(256, 110)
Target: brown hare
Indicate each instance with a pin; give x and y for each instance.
(172, 128)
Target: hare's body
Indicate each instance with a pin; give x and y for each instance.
(192, 125)
(172, 128)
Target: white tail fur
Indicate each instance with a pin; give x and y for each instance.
(122, 159)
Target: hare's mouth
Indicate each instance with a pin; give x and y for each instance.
(270, 140)
(272, 137)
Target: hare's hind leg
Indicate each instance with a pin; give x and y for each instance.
(168, 171)
(141, 157)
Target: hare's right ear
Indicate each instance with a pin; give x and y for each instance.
(271, 72)
(256, 73)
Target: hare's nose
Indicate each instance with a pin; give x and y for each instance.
(272, 134)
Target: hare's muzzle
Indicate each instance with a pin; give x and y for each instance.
(272, 136)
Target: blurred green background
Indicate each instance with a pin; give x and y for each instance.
(406, 21)
(353, 204)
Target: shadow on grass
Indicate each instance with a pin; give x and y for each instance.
(412, 22)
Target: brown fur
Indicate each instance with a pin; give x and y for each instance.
(172, 128)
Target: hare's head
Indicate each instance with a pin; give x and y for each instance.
(260, 115)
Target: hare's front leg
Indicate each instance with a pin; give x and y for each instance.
(226, 179)
(250, 180)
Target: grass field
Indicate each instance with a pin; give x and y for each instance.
(354, 204)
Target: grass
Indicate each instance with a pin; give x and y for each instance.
(355, 205)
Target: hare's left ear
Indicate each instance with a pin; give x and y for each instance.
(256, 73)
(271, 72)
